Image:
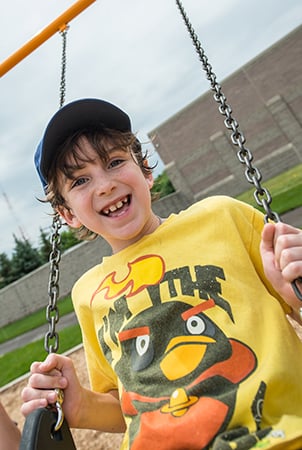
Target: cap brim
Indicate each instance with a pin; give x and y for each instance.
(83, 114)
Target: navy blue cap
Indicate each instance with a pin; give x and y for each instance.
(87, 113)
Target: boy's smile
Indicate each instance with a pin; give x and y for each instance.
(111, 198)
(116, 208)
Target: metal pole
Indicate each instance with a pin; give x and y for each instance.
(58, 24)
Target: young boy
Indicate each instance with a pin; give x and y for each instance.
(184, 326)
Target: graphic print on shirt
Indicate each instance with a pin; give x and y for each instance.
(179, 370)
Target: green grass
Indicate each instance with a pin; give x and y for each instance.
(33, 321)
(285, 189)
(17, 362)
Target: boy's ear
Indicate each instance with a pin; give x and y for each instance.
(68, 216)
(149, 176)
(150, 180)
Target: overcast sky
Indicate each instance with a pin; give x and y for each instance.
(134, 53)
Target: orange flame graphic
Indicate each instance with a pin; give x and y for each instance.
(142, 272)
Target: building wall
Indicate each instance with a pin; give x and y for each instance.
(266, 99)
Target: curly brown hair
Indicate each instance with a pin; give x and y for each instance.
(103, 142)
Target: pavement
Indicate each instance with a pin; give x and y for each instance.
(292, 217)
(37, 333)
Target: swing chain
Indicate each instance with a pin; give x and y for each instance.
(51, 340)
(52, 311)
(63, 33)
(252, 173)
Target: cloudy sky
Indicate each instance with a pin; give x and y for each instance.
(134, 53)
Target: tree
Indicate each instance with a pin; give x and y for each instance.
(5, 270)
(25, 258)
(68, 239)
(45, 246)
(162, 185)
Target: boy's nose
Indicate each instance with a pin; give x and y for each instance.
(104, 185)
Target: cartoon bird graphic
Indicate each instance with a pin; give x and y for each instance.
(180, 375)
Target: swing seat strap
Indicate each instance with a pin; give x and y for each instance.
(38, 432)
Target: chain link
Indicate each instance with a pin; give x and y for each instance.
(51, 340)
(63, 66)
(252, 173)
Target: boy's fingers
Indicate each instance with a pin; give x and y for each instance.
(58, 362)
(267, 245)
(37, 398)
(30, 406)
(288, 246)
(53, 365)
(281, 242)
(47, 396)
(49, 381)
(268, 234)
(41, 368)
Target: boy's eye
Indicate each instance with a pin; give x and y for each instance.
(79, 182)
(115, 162)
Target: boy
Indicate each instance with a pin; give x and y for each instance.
(184, 326)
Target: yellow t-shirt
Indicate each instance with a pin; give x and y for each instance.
(185, 325)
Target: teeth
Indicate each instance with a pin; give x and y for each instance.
(115, 207)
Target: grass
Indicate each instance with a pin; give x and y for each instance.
(17, 362)
(286, 191)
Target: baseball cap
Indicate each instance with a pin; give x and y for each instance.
(87, 113)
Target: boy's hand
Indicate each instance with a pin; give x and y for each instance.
(281, 251)
(56, 371)
(82, 407)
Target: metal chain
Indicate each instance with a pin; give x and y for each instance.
(51, 340)
(252, 173)
(52, 312)
(63, 66)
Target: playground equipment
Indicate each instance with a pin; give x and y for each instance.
(46, 428)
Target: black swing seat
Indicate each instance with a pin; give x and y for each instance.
(38, 432)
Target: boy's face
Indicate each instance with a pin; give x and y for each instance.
(109, 198)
